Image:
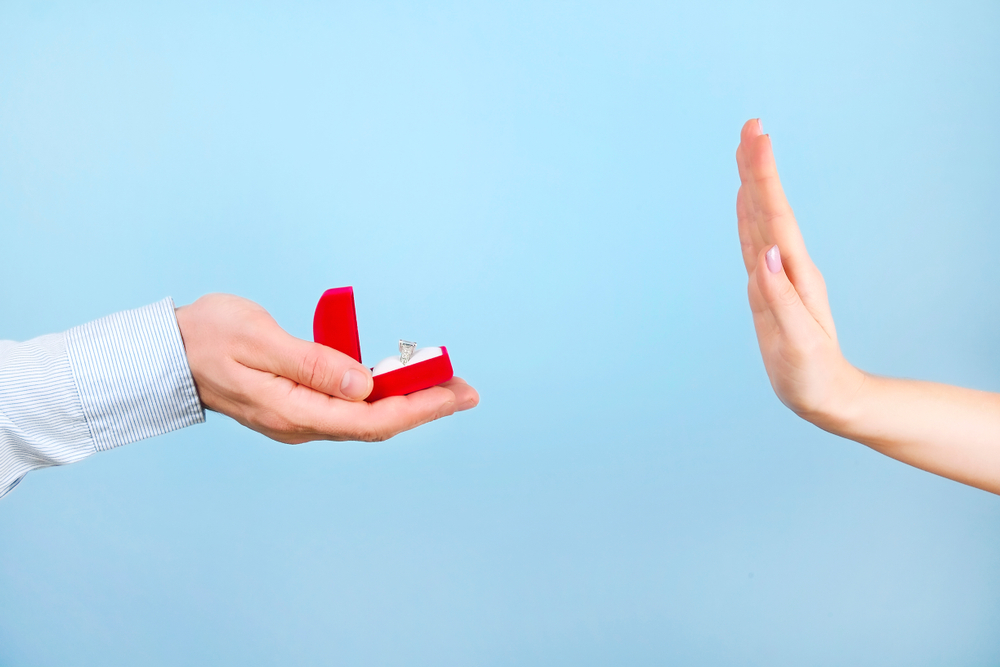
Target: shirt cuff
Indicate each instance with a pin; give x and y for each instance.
(133, 375)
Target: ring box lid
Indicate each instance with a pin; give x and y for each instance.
(336, 322)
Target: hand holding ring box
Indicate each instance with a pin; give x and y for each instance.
(336, 325)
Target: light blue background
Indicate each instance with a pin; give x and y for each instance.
(548, 189)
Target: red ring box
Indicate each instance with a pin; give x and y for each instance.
(336, 325)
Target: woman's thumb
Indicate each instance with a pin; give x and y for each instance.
(779, 293)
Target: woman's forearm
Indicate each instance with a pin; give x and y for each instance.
(950, 431)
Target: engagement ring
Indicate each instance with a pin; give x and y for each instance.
(406, 349)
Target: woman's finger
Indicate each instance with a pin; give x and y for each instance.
(745, 224)
(774, 215)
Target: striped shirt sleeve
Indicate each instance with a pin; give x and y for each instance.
(98, 386)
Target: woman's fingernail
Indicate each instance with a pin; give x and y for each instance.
(354, 384)
(760, 126)
(773, 259)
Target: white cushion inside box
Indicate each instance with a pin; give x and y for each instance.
(394, 364)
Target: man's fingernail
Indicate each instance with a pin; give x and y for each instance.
(773, 259)
(354, 384)
(760, 126)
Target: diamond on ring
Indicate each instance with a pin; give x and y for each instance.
(406, 349)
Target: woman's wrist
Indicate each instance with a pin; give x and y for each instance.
(843, 408)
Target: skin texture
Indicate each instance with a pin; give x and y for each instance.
(293, 391)
(946, 430)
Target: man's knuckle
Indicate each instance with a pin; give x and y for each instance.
(314, 370)
(378, 435)
(372, 434)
